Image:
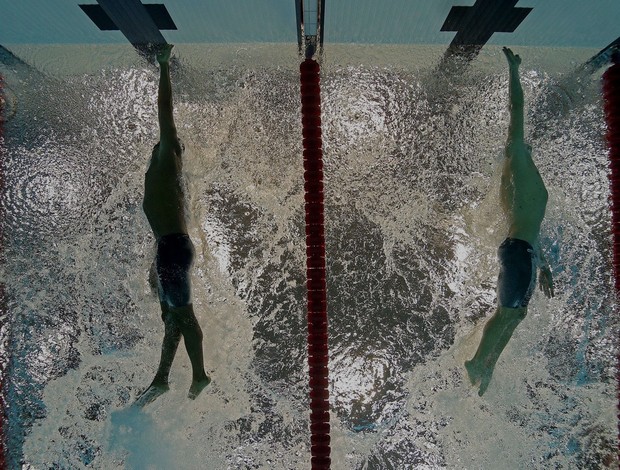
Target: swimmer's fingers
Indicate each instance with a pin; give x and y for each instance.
(543, 287)
(546, 282)
(163, 54)
(513, 59)
(551, 289)
(542, 282)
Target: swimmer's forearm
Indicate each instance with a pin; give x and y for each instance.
(516, 90)
(516, 129)
(164, 104)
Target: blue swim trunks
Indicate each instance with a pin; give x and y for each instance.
(517, 274)
(175, 257)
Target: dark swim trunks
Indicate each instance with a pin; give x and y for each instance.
(517, 275)
(175, 256)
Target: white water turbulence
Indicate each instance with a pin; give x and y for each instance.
(412, 164)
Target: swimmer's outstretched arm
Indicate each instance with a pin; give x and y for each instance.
(167, 129)
(515, 131)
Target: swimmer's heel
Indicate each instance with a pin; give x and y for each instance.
(197, 387)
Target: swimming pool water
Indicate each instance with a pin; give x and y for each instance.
(413, 223)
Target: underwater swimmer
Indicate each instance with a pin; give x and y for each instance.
(164, 208)
(524, 200)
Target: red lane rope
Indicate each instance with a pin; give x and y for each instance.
(315, 263)
(611, 97)
(3, 313)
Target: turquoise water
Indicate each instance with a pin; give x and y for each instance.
(413, 222)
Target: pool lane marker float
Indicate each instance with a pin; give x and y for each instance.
(310, 42)
(611, 100)
(315, 263)
(4, 115)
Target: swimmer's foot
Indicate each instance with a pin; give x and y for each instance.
(198, 386)
(484, 382)
(479, 376)
(472, 372)
(150, 394)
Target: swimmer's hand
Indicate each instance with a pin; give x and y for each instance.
(513, 59)
(545, 282)
(163, 55)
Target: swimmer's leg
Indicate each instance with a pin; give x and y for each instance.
(192, 336)
(497, 332)
(172, 337)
